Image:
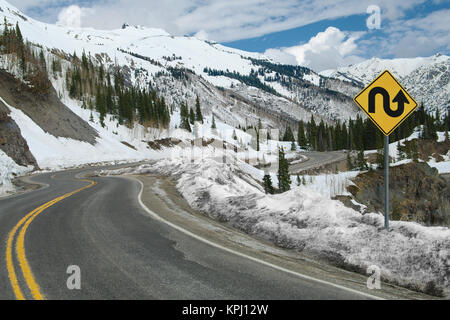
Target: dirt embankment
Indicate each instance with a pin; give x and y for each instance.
(417, 193)
(46, 110)
(11, 140)
(428, 149)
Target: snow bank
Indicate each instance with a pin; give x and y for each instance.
(302, 219)
(8, 170)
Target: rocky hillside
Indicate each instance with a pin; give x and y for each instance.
(417, 193)
(11, 141)
(45, 109)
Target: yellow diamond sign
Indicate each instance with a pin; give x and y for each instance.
(386, 102)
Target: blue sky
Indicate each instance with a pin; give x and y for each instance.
(320, 34)
(295, 36)
(302, 34)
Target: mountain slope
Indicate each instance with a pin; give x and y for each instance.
(149, 52)
(46, 110)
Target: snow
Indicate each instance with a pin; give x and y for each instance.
(441, 136)
(195, 54)
(393, 147)
(185, 52)
(9, 170)
(442, 167)
(57, 153)
(302, 219)
(368, 70)
(329, 185)
(425, 78)
(313, 78)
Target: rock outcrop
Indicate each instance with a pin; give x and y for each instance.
(417, 193)
(11, 140)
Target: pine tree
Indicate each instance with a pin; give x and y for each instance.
(312, 133)
(198, 111)
(257, 139)
(362, 164)
(191, 116)
(414, 151)
(407, 149)
(350, 165)
(301, 137)
(299, 181)
(380, 159)
(284, 179)
(5, 29)
(293, 146)
(20, 48)
(429, 129)
(400, 153)
(213, 125)
(303, 181)
(234, 135)
(268, 187)
(100, 106)
(288, 135)
(184, 113)
(438, 120)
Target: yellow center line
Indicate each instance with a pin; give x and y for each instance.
(24, 223)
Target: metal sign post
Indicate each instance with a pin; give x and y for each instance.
(387, 104)
(386, 182)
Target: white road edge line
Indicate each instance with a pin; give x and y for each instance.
(158, 218)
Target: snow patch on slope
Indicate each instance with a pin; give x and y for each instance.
(9, 170)
(57, 153)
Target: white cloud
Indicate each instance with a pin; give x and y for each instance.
(280, 56)
(225, 20)
(70, 17)
(419, 36)
(329, 49)
(202, 35)
(222, 20)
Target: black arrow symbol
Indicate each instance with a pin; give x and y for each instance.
(400, 99)
(372, 95)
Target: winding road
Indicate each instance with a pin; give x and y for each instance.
(317, 160)
(135, 242)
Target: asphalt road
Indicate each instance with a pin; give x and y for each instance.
(317, 159)
(124, 253)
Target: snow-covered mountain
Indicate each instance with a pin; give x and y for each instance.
(250, 85)
(427, 79)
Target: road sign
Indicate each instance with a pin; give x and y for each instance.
(386, 102)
